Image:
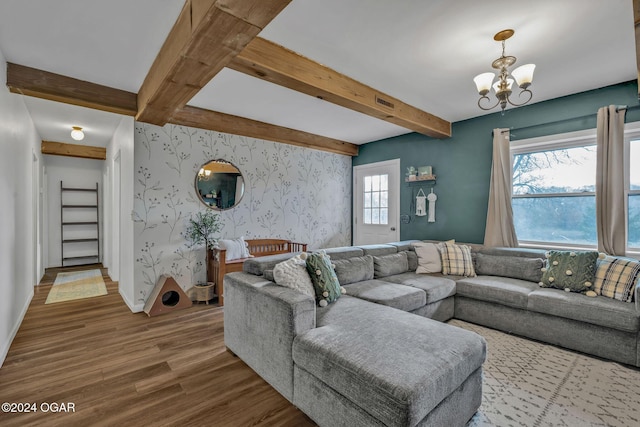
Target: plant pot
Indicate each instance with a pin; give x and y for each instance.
(204, 291)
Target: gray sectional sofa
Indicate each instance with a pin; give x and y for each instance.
(382, 354)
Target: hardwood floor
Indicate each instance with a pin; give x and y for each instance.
(120, 368)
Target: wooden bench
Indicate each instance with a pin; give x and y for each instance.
(219, 266)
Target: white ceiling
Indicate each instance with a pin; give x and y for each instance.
(422, 52)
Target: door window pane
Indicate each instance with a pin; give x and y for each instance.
(376, 199)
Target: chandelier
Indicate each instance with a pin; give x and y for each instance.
(523, 76)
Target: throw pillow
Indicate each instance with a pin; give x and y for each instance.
(293, 274)
(388, 265)
(354, 269)
(236, 248)
(509, 266)
(324, 279)
(573, 271)
(428, 258)
(617, 277)
(456, 259)
(412, 259)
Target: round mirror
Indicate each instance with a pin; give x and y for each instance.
(219, 184)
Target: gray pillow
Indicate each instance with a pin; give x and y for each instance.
(509, 266)
(412, 259)
(354, 269)
(388, 265)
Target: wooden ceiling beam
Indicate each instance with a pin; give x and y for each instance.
(55, 87)
(271, 62)
(206, 37)
(221, 122)
(43, 84)
(73, 150)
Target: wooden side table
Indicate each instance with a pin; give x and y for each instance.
(204, 292)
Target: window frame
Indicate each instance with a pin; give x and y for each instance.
(580, 139)
(576, 139)
(631, 133)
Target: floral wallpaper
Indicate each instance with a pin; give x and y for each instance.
(290, 193)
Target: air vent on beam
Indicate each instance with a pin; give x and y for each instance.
(384, 102)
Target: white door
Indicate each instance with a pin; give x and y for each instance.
(376, 202)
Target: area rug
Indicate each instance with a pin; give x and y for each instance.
(77, 285)
(528, 383)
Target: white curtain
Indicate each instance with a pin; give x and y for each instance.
(500, 230)
(610, 203)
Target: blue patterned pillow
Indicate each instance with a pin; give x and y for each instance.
(324, 279)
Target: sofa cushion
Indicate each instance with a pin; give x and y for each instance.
(325, 282)
(509, 266)
(354, 269)
(394, 365)
(403, 298)
(343, 252)
(258, 265)
(429, 260)
(436, 287)
(573, 271)
(456, 259)
(405, 245)
(293, 274)
(600, 311)
(517, 252)
(412, 260)
(617, 277)
(379, 250)
(501, 290)
(386, 265)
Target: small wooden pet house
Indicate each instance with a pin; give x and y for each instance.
(166, 296)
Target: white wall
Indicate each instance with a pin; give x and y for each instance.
(75, 173)
(19, 143)
(118, 223)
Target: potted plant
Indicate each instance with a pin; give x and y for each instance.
(202, 229)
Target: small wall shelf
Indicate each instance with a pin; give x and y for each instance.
(428, 178)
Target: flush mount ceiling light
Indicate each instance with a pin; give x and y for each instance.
(523, 76)
(77, 133)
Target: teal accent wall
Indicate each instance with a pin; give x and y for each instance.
(462, 163)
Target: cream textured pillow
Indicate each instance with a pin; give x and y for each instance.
(236, 248)
(293, 274)
(428, 257)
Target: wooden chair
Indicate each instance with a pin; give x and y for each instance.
(219, 266)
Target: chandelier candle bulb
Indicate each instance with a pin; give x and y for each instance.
(524, 75)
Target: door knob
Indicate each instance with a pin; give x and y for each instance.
(393, 229)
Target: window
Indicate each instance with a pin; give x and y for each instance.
(554, 195)
(554, 181)
(376, 199)
(633, 201)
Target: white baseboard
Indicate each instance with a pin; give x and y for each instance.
(7, 344)
(135, 308)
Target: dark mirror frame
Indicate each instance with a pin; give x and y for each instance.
(218, 198)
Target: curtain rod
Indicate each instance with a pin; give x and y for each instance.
(586, 116)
